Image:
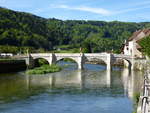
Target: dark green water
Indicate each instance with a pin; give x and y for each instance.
(93, 90)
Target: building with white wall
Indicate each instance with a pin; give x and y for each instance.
(132, 47)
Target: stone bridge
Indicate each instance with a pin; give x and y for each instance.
(79, 58)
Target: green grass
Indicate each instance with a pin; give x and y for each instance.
(136, 97)
(44, 69)
(6, 59)
(68, 60)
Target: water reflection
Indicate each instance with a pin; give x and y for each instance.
(108, 78)
(104, 87)
(16, 85)
(132, 82)
(77, 78)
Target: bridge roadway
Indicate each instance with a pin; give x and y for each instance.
(79, 58)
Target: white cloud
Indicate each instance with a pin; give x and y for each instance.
(101, 11)
(131, 9)
(84, 8)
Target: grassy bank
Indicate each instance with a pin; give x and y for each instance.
(136, 97)
(44, 69)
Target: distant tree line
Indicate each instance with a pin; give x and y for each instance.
(19, 29)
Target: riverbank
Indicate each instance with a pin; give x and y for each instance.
(44, 69)
(12, 65)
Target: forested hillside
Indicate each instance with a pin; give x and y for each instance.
(19, 29)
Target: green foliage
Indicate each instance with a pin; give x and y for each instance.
(20, 50)
(44, 69)
(68, 60)
(23, 29)
(145, 44)
(8, 49)
(136, 100)
(42, 62)
(74, 50)
(136, 97)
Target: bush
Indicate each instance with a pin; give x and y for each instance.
(145, 44)
(44, 69)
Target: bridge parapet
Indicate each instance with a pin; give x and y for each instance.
(68, 54)
(41, 54)
(122, 56)
(94, 54)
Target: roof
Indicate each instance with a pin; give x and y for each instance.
(138, 46)
(135, 34)
(147, 32)
(138, 35)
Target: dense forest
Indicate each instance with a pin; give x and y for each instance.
(20, 31)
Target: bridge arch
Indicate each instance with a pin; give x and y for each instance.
(69, 61)
(127, 63)
(75, 59)
(40, 61)
(97, 60)
(44, 58)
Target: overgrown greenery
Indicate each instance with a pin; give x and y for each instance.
(68, 60)
(15, 49)
(19, 29)
(145, 44)
(44, 69)
(136, 98)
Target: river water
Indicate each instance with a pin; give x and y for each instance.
(93, 90)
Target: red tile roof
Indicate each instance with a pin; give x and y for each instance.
(135, 34)
(138, 46)
(147, 32)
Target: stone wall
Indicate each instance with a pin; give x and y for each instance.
(141, 64)
(7, 66)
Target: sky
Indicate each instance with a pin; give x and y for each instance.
(101, 10)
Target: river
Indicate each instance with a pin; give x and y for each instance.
(93, 90)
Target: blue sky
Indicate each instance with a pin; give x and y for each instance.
(105, 10)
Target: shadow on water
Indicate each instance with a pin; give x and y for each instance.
(103, 90)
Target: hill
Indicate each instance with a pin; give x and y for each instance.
(20, 29)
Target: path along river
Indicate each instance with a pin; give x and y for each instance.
(93, 90)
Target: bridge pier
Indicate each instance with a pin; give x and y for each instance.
(80, 61)
(108, 77)
(132, 64)
(108, 62)
(52, 59)
(29, 61)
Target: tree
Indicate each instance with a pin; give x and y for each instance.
(145, 44)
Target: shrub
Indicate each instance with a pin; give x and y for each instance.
(44, 69)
